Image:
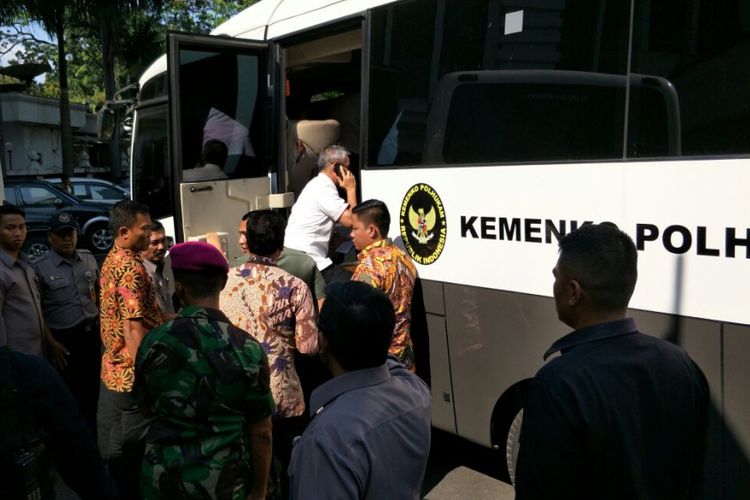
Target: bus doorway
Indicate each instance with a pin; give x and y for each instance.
(221, 122)
(322, 98)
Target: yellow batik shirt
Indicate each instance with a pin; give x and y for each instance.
(388, 268)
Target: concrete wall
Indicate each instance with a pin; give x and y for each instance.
(32, 125)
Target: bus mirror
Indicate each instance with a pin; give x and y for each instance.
(106, 120)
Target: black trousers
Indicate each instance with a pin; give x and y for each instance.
(84, 363)
(122, 439)
(284, 432)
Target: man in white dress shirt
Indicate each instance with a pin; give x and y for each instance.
(320, 207)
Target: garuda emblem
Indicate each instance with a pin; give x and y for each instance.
(422, 224)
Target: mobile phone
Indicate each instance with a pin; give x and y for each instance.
(337, 170)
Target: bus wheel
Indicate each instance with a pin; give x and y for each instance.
(512, 445)
(506, 425)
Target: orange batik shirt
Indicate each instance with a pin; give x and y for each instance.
(126, 294)
(387, 267)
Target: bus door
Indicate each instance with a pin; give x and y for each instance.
(221, 95)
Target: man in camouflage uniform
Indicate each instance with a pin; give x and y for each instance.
(206, 385)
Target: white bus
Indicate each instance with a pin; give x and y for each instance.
(490, 128)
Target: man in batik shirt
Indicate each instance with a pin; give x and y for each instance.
(278, 310)
(205, 382)
(385, 266)
(127, 311)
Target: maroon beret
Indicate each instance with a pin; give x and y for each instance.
(197, 256)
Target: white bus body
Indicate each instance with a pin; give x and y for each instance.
(515, 121)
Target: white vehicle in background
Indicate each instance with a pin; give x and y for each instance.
(92, 190)
(491, 128)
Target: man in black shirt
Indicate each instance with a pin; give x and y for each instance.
(40, 423)
(619, 414)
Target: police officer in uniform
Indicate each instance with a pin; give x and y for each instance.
(68, 282)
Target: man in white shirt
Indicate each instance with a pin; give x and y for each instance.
(320, 207)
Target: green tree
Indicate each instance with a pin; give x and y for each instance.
(200, 16)
(127, 34)
(105, 45)
(84, 72)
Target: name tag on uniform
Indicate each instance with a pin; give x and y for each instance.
(56, 277)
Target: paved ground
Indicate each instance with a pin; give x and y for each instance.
(462, 482)
(457, 469)
(449, 452)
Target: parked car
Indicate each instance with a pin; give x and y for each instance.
(40, 200)
(125, 184)
(91, 190)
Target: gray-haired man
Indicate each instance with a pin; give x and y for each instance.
(319, 207)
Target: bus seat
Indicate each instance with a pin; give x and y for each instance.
(318, 134)
(315, 136)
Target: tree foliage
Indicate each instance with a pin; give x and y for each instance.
(84, 65)
(141, 39)
(200, 16)
(110, 43)
(54, 15)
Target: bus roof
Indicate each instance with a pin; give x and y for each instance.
(269, 19)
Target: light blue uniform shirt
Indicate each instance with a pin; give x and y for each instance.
(21, 321)
(68, 288)
(369, 437)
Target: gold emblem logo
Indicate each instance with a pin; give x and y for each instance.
(422, 221)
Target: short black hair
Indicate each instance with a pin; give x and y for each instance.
(201, 284)
(124, 213)
(603, 259)
(357, 320)
(265, 232)
(215, 152)
(374, 212)
(157, 226)
(10, 209)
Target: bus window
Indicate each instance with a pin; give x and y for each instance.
(151, 176)
(323, 86)
(702, 49)
(496, 123)
(230, 112)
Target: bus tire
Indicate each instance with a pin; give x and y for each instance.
(512, 445)
(505, 413)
